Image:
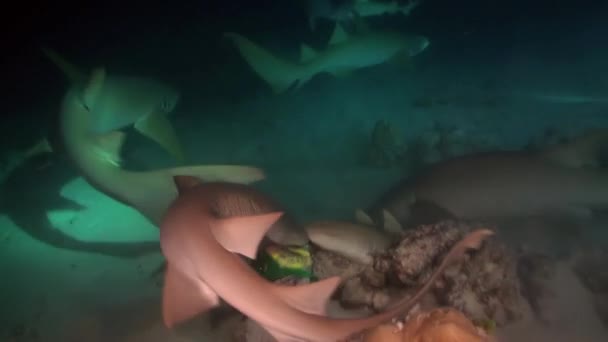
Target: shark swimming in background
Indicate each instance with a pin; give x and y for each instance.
(344, 54)
(369, 8)
(127, 100)
(204, 266)
(333, 10)
(559, 181)
(344, 11)
(97, 158)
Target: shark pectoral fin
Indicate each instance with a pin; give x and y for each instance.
(243, 234)
(109, 145)
(157, 127)
(93, 88)
(338, 36)
(403, 59)
(363, 218)
(183, 298)
(391, 224)
(225, 173)
(310, 298)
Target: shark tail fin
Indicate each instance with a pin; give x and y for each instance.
(585, 151)
(74, 74)
(278, 73)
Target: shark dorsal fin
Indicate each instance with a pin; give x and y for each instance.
(311, 298)
(391, 225)
(183, 183)
(93, 87)
(74, 74)
(307, 53)
(363, 218)
(243, 234)
(339, 36)
(183, 298)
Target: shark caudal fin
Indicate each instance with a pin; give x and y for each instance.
(73, 73)
(278, 73)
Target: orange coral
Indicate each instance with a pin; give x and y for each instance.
(438, 325)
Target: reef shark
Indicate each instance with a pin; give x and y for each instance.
(355, 241)
(344, 54)
(559, 181)
(368, 8)
(340, 11)
(128, 100)
(203, 266)
(346, 10)
(97, 158)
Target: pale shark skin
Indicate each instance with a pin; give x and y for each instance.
(203, 267)
(124, 101)
(354, 241)
(502, 185)
(343, 55)
(97, 158)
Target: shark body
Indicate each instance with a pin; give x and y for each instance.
(504, 184)
(343, 55)
(200, 248)
(97, 158)
(343, 11)
(124, 101)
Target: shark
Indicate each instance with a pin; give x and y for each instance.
(358, 240)
(560, 181)
(141, 102)
(333, 10)
(205, 257)
(345, 11)
(97, 157)
(344, 54)
(369, 8)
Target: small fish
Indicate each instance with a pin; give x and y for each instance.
(203, 267)
(343, 55)
(127, 100)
